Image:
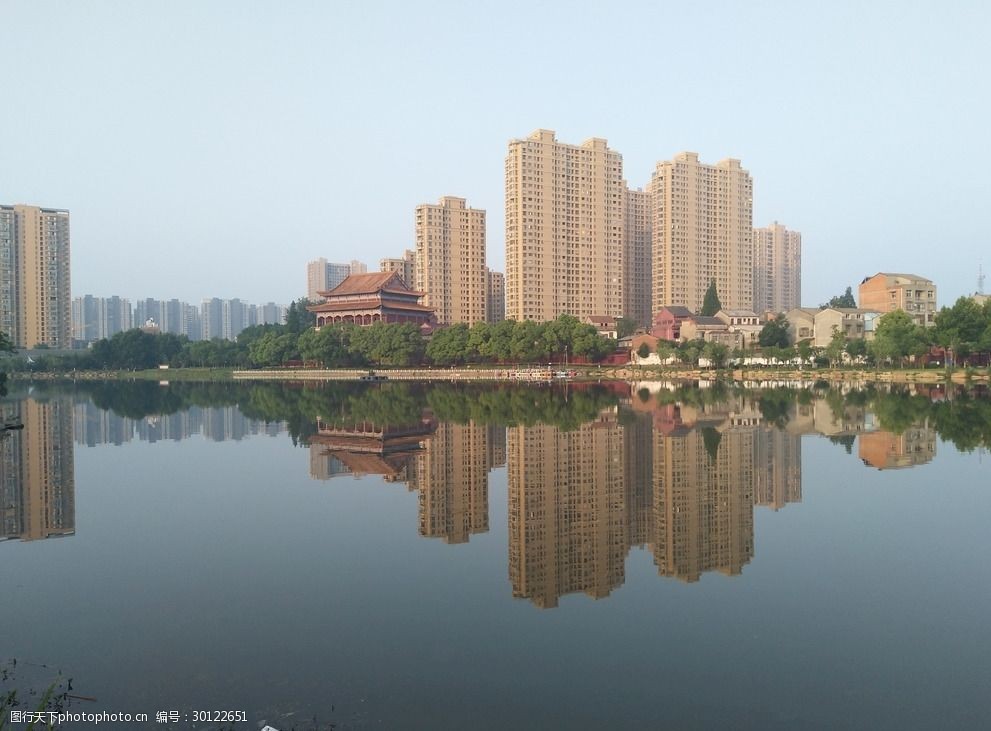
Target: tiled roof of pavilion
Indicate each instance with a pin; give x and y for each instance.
(372, 283)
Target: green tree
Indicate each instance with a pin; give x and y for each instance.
(625, 326)
(710, 303)
(716, 354)
(666, 349)
(962, 327)
(844, 300)
(449, 345)
(328, 346)
(690, 351)
(897, 337)
(856, 348)
(643, 351)
(837, 344)
(774, 333)
(804, 350)
(298, 317)
(6, 346)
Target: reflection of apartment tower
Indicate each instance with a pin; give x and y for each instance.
(703, 501)
(638, 453)
(325, 466)
(497, 446)
(495, 296)
(701, 231)
(777, 468)
(37, 482)
(564, 228)
(35, 301)
(405, 267)
(567, 518)
(887, 451)
(452, 476)
(322, 275)
(450, 260)
(636, 261)
(777, 269)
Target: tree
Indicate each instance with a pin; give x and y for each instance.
(666, 349)
(774, 333)
(961, 328)
(449, 345)
(897, 337)
(710, 303)
(715, 353)
(856, 348)
(690, 351)
(844, 300)
(837, 342)
(804, 350)
(625, 326)
(299, 318)
(6, 346)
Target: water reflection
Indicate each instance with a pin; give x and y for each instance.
(37, 483)
(591, 473)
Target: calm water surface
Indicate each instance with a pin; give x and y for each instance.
(439, 557)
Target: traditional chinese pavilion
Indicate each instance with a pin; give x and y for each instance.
(364, 299)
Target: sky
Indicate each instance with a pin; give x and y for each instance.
(214, 148)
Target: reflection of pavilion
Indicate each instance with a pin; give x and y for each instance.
(37, 483)
(365, 448)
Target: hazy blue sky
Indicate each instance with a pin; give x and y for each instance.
(213, 148)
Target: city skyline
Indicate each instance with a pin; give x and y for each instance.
(865, 89)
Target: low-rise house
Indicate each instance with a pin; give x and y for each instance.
(848, 320)
(745, 322)
(668, 320)
(886, 292)
(606, 325)
(801, 324)
(711, 330)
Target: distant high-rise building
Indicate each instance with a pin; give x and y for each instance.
(564, 228)
(96, 318)
(777, 269)
(357, 267)
(636, 260)
(405, 267)
(495, 296)
(271, 314)
(212, 319)
(35, 298)
(701, 232)
(450, 260)
(322, 275)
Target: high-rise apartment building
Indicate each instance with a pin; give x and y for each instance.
(450, 260)
(35, 298)
(636, 260)
(322, 275)
(564, 228)
(701, 231)
(777, 269)
(495, 296)
(405, 267)
(96, 318)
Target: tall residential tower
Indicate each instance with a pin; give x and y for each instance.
(35, 301)
(701, 231)
(450, 260)
(564, 228)
(777, 269)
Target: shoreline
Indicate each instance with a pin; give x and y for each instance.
(581, 374)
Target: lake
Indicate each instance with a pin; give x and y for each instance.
(403, 556)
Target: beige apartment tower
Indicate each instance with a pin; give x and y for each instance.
(35, 297)
(405, 267)
(636, 261)
(450, 260)
(495, 297)
(777, 269)
(564, 229)
(701, 231)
